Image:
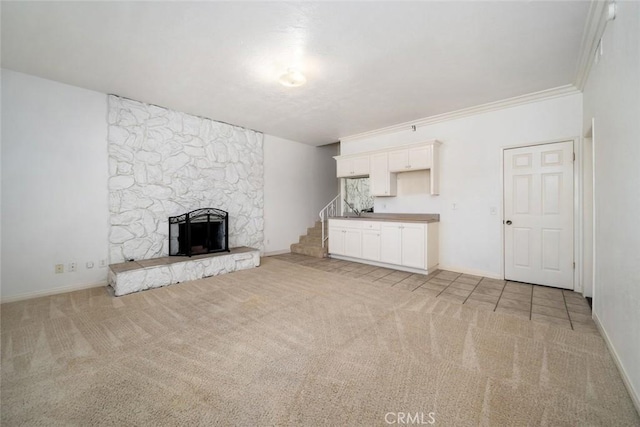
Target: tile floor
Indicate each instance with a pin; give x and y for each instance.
(540, 303)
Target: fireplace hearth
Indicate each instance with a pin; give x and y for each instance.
(202, 231)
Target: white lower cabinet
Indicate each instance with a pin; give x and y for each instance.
(391, 243)
(353, 243)
(370, 240)
(345, 238)
(412, 245)
(404, 244)
(336, 240)
(371, 245)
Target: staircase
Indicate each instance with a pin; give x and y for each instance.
(315, 242)
(311, 243)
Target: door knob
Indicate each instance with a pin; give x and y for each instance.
(509, 222)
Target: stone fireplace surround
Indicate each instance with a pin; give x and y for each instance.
(164, 163)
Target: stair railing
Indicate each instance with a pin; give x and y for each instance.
(330, 210)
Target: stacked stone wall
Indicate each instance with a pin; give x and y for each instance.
(164, 163)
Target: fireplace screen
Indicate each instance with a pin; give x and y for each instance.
(198, 232)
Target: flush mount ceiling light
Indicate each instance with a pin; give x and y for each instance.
(292, 78)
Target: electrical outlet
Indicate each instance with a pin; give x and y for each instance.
(73, 266)
(103, 263)
(59, 268)
(89, 264)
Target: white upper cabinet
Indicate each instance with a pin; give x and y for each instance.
(382, 183)
(398, 160)
(352, 166)
(411, 159)
(383, 166)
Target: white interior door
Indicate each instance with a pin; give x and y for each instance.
(538, 214)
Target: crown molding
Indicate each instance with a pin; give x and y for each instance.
(593, 31)
(483, 108)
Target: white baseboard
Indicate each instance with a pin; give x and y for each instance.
(635, 396)
(284, 251)
(54, 291)
(470, 271)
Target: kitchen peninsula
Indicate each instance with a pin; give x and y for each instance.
(401, 241)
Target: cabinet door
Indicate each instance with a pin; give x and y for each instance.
(398, 160)
(343, 167)
(336, 240)
(413, 245)
(352, 167)
(360, 165)
(391, 243)
(379, 180)
(353, 243)
(420, 158)
(371, 245)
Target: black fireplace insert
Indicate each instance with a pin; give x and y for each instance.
(202, 231)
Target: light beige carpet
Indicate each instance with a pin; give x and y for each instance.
(289, 345)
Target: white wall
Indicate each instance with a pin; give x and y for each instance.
(299, 180)
(612, 97)
(1, 73)
(54, 186)
(470, 237)
(54, 192)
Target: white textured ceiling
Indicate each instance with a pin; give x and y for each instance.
(368, 64)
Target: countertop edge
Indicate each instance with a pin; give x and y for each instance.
(387, 219)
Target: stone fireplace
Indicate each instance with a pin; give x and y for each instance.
(163, 163)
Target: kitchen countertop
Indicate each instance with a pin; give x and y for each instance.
(391, 217)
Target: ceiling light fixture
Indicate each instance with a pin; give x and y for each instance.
(293, 78)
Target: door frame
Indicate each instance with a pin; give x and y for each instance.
(590, 135)
(577, 205)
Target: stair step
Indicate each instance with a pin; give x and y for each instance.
(314, 251)
(316, 232)
(311, 240)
